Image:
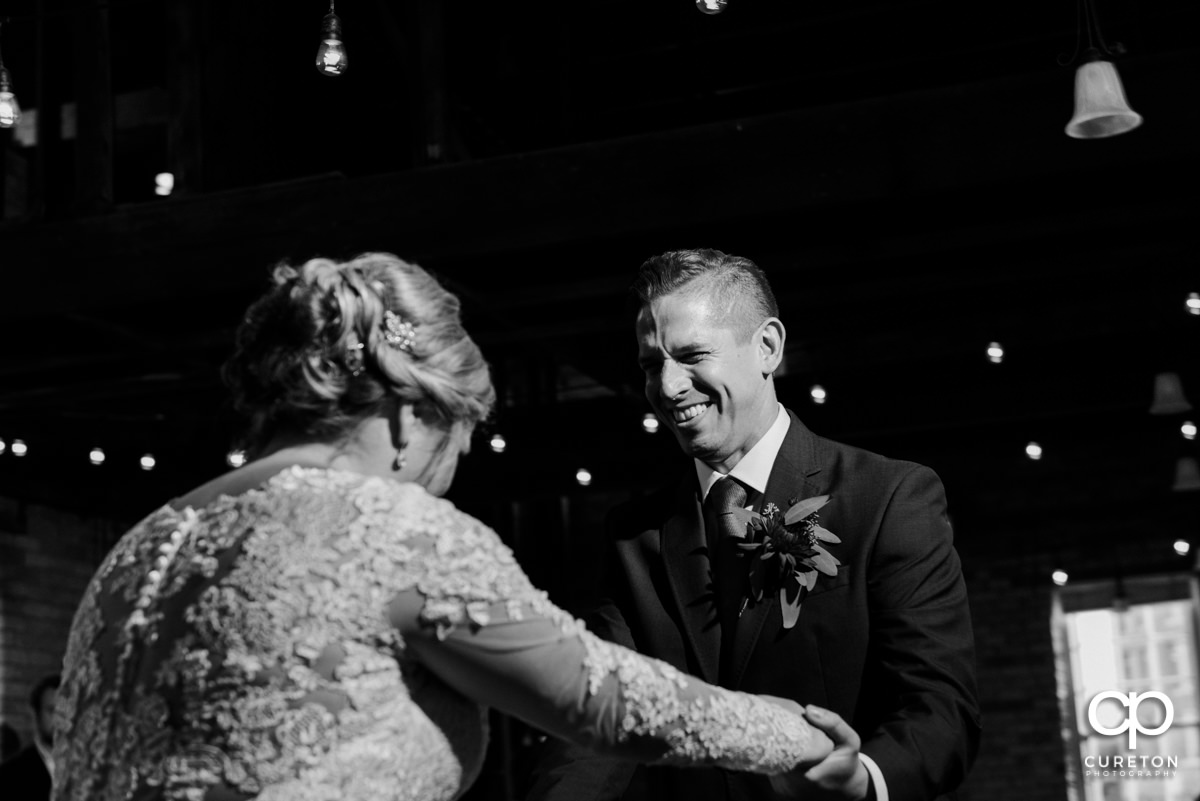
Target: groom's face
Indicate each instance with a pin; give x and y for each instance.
(704, 376)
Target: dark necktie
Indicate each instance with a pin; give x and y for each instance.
(724, 534)
(725, 497)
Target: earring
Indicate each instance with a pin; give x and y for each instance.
(399, 462)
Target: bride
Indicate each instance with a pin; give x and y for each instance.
(319, 624)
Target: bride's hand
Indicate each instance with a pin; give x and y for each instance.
(837, 771)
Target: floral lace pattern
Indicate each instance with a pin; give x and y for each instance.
(246, 647)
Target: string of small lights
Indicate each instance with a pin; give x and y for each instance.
(1169, 400)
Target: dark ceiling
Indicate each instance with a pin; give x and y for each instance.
(898, 168)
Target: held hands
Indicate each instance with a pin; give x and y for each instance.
(841, 774)
(818, 749)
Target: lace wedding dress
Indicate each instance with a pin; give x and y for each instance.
(329, 636)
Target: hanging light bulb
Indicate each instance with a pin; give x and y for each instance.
(817, 393)
(1182, 547)
(1192, 304)
(19, 448)
(10, 110)
(498, 443)
(711, 6)
(583, 476)
(96, 456)
(331, 54)
(235, 458)
(995, 352)
(164, 184)
(1033, 451)
(148, 462)
(650, 424)
(1059, 577)
(3, 447)
(1188, 429)
(1100, 106)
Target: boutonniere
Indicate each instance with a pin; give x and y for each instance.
(784, 553)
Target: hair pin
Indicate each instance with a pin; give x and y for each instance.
(398, 333)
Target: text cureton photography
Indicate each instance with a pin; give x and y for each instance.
(1121, 716)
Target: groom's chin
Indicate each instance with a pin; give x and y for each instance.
(690, 443)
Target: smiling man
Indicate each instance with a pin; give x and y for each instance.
(881, 653)
(709, 350)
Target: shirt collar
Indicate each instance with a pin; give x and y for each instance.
(754, 469)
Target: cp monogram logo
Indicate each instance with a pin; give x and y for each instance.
(1131, 724)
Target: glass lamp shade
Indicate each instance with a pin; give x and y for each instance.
(1168, 395)
(1100, 106)
(1187, 477)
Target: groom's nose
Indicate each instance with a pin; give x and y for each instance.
(674, 380)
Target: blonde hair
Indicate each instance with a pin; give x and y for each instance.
(312, 358)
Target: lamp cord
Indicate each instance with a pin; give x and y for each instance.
(1086, 19)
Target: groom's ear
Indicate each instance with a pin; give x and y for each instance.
(770, 338)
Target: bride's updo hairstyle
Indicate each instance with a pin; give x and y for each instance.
(313, 356)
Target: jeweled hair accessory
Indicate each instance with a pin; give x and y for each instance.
(398, 333)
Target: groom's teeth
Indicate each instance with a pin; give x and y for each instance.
(689, 412)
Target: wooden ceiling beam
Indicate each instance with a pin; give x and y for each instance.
(893, 150)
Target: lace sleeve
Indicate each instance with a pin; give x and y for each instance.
(475, 620)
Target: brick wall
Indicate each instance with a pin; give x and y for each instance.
(46, 559)
(1094, 518)
(1021, 755)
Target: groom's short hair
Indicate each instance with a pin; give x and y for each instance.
(711, 271)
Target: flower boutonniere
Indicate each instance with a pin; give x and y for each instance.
(784, 553)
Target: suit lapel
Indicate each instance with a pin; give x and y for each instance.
(795, 475)
(685, 554)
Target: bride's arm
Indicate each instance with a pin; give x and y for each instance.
(474, 620)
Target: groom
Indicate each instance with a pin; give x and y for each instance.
(881, 654)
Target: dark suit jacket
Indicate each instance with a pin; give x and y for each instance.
(24, 777)
(886, 644)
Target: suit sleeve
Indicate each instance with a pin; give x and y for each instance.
(920, 700)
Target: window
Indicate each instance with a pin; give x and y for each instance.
(1125, 645)
(1168, 657)
(1133, 657)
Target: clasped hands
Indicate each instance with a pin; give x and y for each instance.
(836, 773)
